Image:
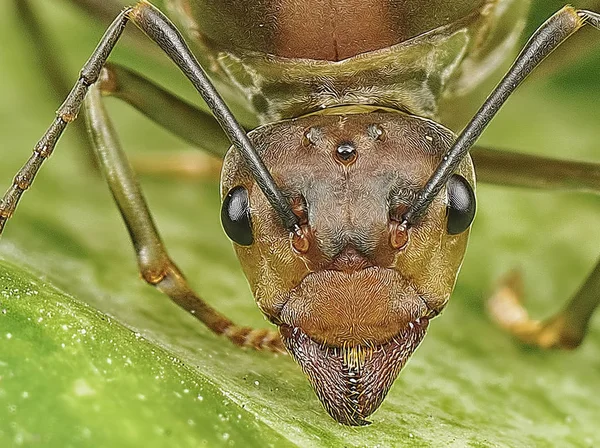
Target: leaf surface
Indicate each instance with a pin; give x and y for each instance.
(92, 356)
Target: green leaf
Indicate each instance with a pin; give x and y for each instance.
(66, 258)
(70, 374)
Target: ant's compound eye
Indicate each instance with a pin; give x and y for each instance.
(235, 216)
(461, 204)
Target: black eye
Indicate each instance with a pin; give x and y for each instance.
(235, 216)
(461, 204)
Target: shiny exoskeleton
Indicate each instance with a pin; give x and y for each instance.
(291, 57)
(350, 205)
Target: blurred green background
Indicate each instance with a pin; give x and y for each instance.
(70, 376)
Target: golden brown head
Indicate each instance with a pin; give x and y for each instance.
(354, 290)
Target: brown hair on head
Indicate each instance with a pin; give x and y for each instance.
(354, 281)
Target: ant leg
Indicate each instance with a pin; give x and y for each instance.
(564, 330)
(567, 328)
(556, 30)
(104, 11)
(66, 114)
(158, 28)
(188, 122)
(155, 265)
(515, 169)
(184, 120)
(47, 59)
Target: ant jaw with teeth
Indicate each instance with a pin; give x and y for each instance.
(353, 287)
(352, 381)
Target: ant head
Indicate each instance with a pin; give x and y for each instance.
(354, 288)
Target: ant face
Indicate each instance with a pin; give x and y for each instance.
(354, 290)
